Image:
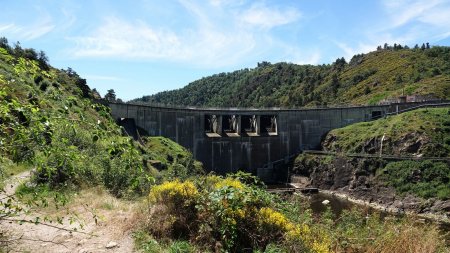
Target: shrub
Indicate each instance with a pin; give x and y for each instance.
(425, 179)
(175, 200)
(225, 214)
(175, 192)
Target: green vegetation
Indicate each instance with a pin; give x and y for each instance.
(50, 122)
(425, 179)
(424, 131)
(225, 215)
(420, 133)
(169, 160)
(366, 79)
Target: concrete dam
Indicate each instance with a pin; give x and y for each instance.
(254, 140)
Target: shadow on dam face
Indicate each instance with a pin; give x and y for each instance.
(253, 140)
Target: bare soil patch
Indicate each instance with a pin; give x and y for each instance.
(106, 224)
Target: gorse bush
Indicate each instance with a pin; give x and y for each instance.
(225, 214)
(220, 214)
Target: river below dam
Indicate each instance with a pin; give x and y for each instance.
(321, 201)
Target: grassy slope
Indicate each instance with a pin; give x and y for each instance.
(429, 126)
(49, 121)
(367, 79)
(168, 159)
(423, 132)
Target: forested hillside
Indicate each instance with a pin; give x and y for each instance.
(366, 79)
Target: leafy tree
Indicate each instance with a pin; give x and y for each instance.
(30, 53)
(335, 83)
(18, 51)
(43, 60)
(110, 95)
(4, 44)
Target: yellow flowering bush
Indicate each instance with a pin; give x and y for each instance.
(318, 242)
(173, 190)
(269, 218)
(230, 182)
(174, 201)
(216, 209)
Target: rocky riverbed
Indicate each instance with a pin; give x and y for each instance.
(355, 179)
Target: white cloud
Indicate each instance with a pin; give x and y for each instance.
(312, 58)
(265, 17)
(407, 22)
(6, 27)
(420, 20)
(219, 3)
(121, 39)
(128, 40)
(215, 37)
(349, 51)
(28, 32)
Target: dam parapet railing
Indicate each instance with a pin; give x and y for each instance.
(394, 108)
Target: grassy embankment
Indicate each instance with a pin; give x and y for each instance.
(419, 133)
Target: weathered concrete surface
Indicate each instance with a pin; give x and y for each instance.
(255, 152)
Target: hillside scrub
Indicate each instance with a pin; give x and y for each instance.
(223, 214)
(365, 79)
(422, 132)
(50, 122)
(425, 179)
(168, 160)
(421, 185)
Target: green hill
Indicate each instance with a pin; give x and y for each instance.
(50, 122)
(366, 79)
(422, 133)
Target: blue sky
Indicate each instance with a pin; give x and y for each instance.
(141, 47)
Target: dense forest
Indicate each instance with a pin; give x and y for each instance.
(388, 72)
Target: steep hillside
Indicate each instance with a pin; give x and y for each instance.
(424, 132)
(420, 185)
(366, 79)
(50, 122)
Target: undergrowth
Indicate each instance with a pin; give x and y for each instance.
(425, 179)
(223, 214)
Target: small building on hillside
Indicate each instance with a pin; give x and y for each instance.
(408, 99)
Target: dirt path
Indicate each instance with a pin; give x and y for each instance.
(110, 234)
